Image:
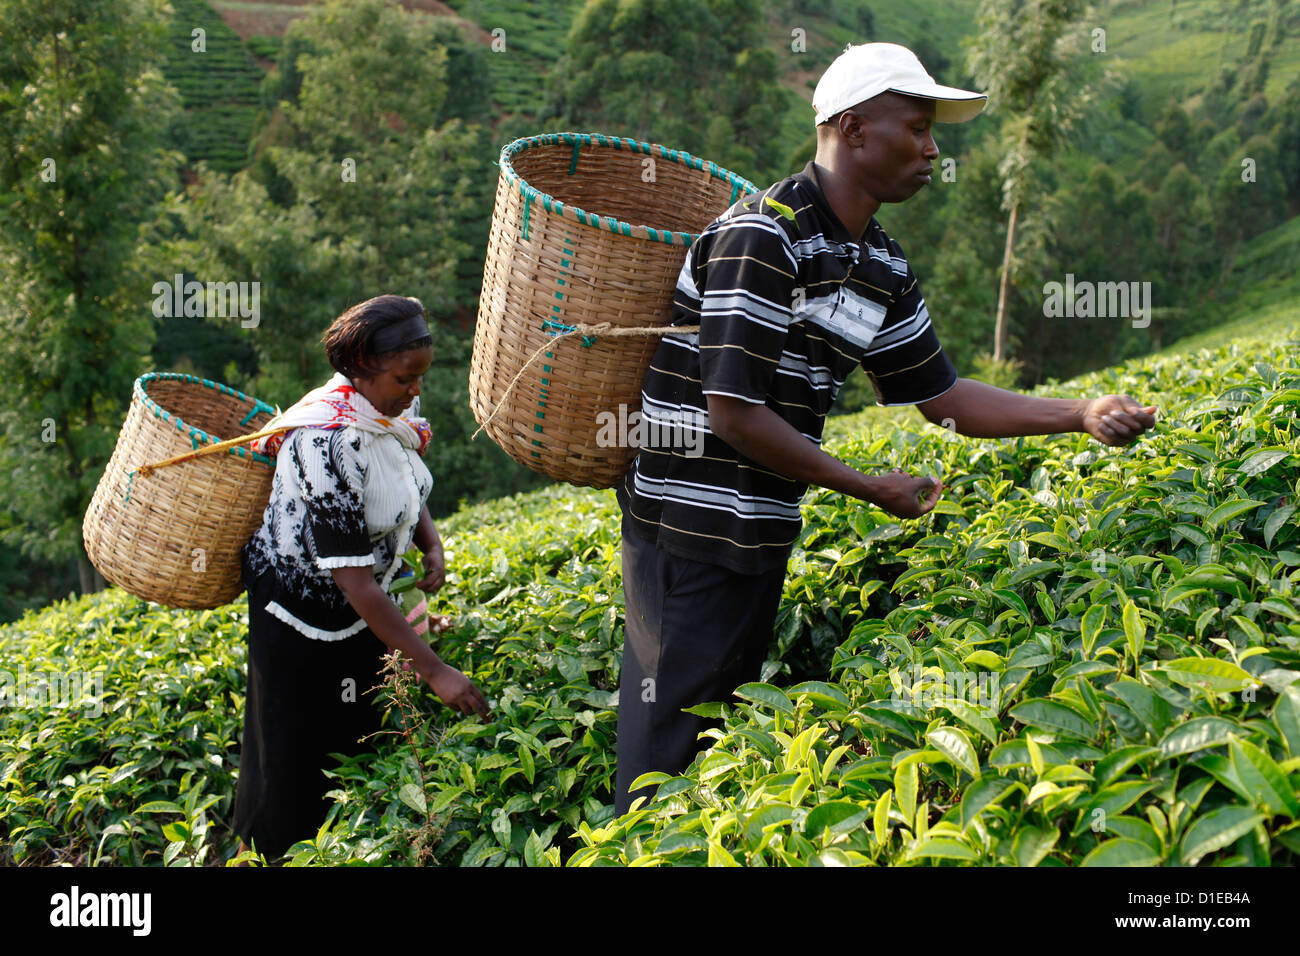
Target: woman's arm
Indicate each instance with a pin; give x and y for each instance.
(430, 545)
(385, 619)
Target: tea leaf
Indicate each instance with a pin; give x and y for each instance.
(1121, 852)
(1032, 844)
(956, 746)
(905, 786)
(413, 797)
(1197, 734)
(1261, 776)
(1229, 510)
(836, 817)
(1215, 830)
(1208, 673)
(767, 695)
(1054, 716)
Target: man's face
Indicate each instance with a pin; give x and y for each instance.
(894, 149)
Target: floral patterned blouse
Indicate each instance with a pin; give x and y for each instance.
(340, 498)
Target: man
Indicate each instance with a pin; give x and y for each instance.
(792, 288)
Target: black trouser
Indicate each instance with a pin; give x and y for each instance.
(300, 707)
(694, 632)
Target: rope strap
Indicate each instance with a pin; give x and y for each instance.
(587, 331)
(144, 470)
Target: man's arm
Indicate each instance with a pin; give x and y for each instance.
(763, 436)
(983, 411)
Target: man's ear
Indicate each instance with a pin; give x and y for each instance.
(852, 128)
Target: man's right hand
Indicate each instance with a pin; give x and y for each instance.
(902, 495)
(456, 690)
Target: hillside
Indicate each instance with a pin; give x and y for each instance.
(1166, 49)
(1133, 612)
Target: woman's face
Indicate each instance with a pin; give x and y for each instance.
(397, 382)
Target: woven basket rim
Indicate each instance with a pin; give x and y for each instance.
(739, 184)
(197, 435)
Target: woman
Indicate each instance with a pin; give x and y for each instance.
(346, 501)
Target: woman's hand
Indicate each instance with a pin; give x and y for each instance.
(435, 570)
(430, 544)
(456, 690)
(391, 627)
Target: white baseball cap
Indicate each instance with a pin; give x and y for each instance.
(869, 69)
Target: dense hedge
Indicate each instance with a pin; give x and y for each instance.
(1084, 655)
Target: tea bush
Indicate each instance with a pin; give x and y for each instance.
(219, 87)
(119, 727)
(1082, 656)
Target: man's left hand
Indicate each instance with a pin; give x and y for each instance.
(1117, 419)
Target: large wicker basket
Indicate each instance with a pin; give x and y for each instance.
(587, 229)
(174, 536)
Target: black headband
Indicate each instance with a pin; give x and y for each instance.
(393, 337)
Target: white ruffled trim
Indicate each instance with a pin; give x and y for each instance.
(276, 610)
(346, 561)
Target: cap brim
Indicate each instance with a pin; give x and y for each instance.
(951, 105)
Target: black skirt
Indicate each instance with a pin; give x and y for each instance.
(306, 699)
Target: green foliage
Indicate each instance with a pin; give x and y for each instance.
(529, 44)
(1083, 656)
(218, 85)
(377, 160)
(690, 75)
(121, 720)
(83, 114)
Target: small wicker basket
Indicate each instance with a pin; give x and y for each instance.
(174, 536)
(564, 254)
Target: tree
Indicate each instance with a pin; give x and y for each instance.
(383, 186)
(1287, 138)
(227, 229)
(82, 111)
(368, 146)
(1027, 58)
(1248, 197)
(690, 74)
(1181, 212)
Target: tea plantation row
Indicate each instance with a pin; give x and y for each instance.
(1084, 655)
(219, 86)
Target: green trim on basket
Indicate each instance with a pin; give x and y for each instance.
(610, 223)
(198, 436)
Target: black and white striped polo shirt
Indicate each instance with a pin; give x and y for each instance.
(788, 303)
